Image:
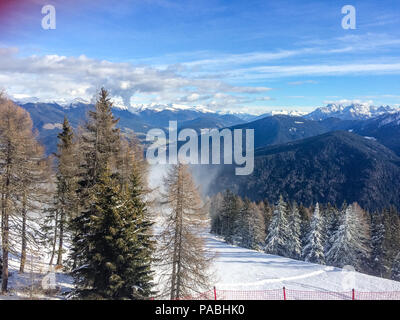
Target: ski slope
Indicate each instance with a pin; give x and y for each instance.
(237, 268)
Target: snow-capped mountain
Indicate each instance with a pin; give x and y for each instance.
(169, 107)
(355, 111)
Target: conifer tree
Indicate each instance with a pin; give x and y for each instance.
(331, 224)
(314, 249)
(396, 268)
(184, 260)
(99, 144)
(267, 214)
(252, 233)
(117, 265)
(278, 231)
(351, 240)
(64, 207)
(305, 224)
(215, 210)
(377, 245)
(294, 241)
(230, 211)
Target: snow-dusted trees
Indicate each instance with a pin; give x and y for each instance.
(330, 225)
(276, 241)
(350, 243)
(294, 241)
(391, 241)
(332, 236)
(396, 268)
(377, 245)
(182, 253)
(214, 210)
(314, 248)
(229, 215)
(252, 232)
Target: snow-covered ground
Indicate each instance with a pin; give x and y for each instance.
(39, 281)
(242, 269)
(235, 269)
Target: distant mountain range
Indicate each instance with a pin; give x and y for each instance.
(332, 154)
(48, 117)
(355, 111)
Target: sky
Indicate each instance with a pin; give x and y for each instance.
(248, 56)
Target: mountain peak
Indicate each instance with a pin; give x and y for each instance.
(354, 111)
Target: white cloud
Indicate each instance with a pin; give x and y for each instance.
(54, 77)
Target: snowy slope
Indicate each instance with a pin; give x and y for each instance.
(242, 269)
(235, 269)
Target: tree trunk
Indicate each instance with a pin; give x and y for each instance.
(53, 250)
(23, 243)
(60, 243)
(5, 233)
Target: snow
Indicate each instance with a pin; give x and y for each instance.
(32, 284)
(242, 269)
(353, 111)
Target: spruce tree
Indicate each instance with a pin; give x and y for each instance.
(64, 207)
(351, 240)
(396, 268)
(252, 233)
(215, 210)
(391, 241)
(294, 241)
(331, 224)
(99, 144)
(314, 249)
(117, 265)
(377, 245)
(230, 212)
(276, 241)
(267, 214)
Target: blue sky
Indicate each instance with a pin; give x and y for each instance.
(252, 56)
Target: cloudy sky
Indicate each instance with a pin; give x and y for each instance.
(232, 55)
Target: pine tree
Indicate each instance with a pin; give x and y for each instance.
(215, 210)
(184, 260)
(396, 268)
(267, 214)
(99, 145)
(230, 211)
(391, 241)
(117, 265)
(377, 245)
(331, 224)
(64, 205)
(314, 249)
(276, 241)
(351, 240)
(294, 241)
(142, 253)
(252, 233)
(305, 224)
